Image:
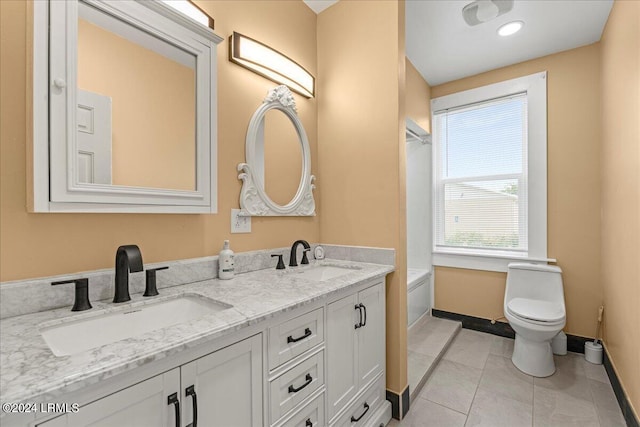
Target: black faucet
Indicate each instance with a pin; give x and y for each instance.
(81, 301)
(128, 258)
(293, 262)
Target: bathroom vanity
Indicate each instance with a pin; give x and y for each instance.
(303, 347)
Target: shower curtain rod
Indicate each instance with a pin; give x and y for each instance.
(423, 139)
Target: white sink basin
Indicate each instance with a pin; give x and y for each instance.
(325, 272)
(76, 336)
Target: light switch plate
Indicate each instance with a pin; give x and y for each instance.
(240, 224)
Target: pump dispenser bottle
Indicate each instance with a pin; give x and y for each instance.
(225, 262)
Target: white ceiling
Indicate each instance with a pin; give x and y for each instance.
(319, 5)
(444, 48)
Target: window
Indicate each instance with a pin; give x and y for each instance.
(490, 175)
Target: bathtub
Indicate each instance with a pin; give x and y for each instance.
(418, 294)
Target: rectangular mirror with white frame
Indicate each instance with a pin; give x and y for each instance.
(123, 107)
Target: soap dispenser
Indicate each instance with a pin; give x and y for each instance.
(225, 262)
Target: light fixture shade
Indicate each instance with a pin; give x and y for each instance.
(189, 8)
(480, 11)
(270, 63)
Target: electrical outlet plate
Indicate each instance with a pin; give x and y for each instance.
(240, 224)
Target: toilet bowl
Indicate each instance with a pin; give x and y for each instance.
(534, 306)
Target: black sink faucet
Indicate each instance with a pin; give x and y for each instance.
(128, 258)
(293, 262)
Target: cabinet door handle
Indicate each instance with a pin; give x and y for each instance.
(308, 381)
(308, 423)
(366, 409)
(191, 391)
(359, 324)
(307, 333)
(173, 400)
(365, 314)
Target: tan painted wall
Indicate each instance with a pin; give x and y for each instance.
(283, 157)
(153, 109)
(418, 97)
(621, 193)
(573, 194)
(33, 245)
(361, 145)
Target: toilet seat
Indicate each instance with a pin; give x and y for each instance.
(536, 311)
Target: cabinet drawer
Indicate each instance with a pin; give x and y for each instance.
(311, 415)
(295, 385)
(362, 408)
(295, 336)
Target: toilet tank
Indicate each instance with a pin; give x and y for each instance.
(534, 281)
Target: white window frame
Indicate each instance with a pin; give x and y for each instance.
(535, 87)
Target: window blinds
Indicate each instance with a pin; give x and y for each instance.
(481, 176)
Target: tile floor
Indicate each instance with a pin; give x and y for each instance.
(427, 341)
(475, 384)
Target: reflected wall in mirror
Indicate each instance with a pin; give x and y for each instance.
(276, 141)
(136, 106)
(282, 157)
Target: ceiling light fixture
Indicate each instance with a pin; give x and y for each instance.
(187, 7)
(269, 63)
(510, 28)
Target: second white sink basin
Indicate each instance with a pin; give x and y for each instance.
(80, 335)
(325, 272)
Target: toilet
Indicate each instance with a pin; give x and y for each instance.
(534, 307)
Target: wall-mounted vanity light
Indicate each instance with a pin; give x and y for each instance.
(187, 7)
(270, 63)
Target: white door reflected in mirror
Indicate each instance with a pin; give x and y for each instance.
(94, 138)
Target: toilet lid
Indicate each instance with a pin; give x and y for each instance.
(534, 309)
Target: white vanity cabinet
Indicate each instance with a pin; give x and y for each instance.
(227, 385)
(355, 352)
(143, 405)
(321, 364)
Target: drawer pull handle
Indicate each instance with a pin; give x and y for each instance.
(307, 333)
(359, 308)
(191, 391)
(366, 409)
(308, 423)
(364, 307)
(308, 381)
(173, 400)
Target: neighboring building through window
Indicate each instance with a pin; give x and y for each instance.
(490, 175)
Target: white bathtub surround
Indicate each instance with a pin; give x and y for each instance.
(419, 224)
(32, 373)
(418, 294)
(33, 295)
(416, 275)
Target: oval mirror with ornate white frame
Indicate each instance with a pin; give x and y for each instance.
(254, 200)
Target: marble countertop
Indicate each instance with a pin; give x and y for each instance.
(32, 373)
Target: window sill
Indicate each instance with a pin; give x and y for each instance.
(485, 262)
